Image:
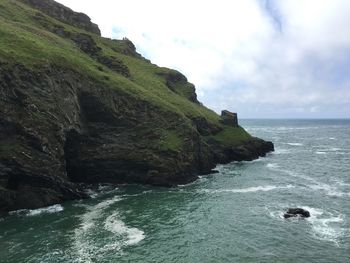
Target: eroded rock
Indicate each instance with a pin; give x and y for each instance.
(64, 14)
(229, 118)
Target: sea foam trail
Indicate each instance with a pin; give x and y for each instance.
(118, 227)
(330, 190)
(117, 235)
(272, 165)
(249, 189)
(294, 144)
(39, 211)
(326, 225)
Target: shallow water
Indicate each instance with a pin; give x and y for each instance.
(232, 216)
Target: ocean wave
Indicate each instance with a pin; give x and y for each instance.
(329, 189)
(248, 189)
(294, 143)
(334, 149)
(272, 165)
(294, 174)
(34, 212)
(342, 183)
(296, 128)
(281, 151)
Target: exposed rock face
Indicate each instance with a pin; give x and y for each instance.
(178, 83)
(293, 212)
(95, 117)
(71, 129)
(64, 14)
(229, 118)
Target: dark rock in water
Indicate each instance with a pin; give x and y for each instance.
(229, 118)
(293, 212)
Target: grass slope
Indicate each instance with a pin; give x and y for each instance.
(25, 39)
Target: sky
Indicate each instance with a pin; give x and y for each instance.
(260, 58)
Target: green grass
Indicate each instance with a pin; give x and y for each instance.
(232, 136)
(171, 141)
(25, 39)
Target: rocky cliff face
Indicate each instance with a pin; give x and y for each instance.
(64, 14)
(85, 109)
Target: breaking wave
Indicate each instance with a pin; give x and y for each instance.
(34, 212)
(249, 189)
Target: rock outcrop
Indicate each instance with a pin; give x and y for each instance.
(178, 83)
(77, 108)
(229, 118)
(293, 212)
(64, 14)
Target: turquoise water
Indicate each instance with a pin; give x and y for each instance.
(232, 216)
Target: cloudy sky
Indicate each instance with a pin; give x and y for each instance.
(260, 58)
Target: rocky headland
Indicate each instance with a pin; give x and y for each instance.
(79, 108)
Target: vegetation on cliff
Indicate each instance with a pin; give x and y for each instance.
(76, 107)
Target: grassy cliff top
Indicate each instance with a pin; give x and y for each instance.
(34, 38)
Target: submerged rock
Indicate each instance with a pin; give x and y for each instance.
(293, 212)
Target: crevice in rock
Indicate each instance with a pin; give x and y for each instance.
(71, 150)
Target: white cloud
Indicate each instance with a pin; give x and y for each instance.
(264, 58)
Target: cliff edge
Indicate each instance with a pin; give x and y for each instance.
(79, 108)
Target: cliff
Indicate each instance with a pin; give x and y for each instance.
(79, 108)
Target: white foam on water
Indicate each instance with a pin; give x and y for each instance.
(91, 193)
(272, 165)
(276, 214)
(34, 212)
(46, 210)
(240, 162)
(295, 128)
(132, 235)
(334, 149)
(297, 175)
(294, 143)
(249, 189)
(332, 138)
(281, 151)
(117, 234)
(341, 183)
(325, 225)
(84, 246)
(330, 190)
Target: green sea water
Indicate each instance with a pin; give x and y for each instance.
(235, 215)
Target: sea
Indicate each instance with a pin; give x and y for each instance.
(235, 215)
